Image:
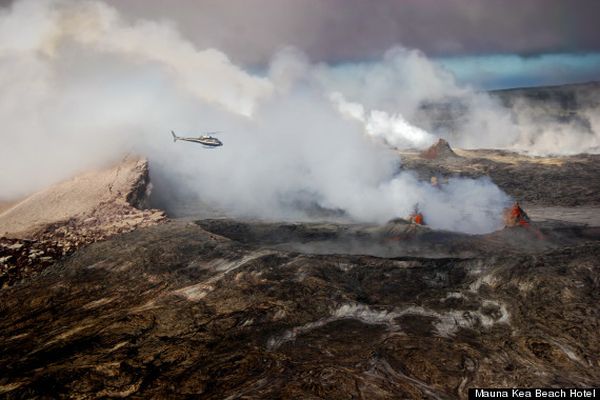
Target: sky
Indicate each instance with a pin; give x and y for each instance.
(487, 43)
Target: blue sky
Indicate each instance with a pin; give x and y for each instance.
(504, 70)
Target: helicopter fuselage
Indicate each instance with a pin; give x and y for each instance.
(205, 140)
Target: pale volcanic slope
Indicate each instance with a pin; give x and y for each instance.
(124, 183)
(51, 224)
(5, 205)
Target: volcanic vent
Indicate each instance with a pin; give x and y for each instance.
(440, 150)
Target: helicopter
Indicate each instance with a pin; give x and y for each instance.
(206, 140)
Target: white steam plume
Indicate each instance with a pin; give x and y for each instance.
(392, 129)
(81, 86)
(387, 94)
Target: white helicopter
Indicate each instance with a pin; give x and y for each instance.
(206, 140)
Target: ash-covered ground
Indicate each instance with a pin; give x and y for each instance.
(223, 308)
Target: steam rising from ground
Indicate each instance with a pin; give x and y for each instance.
(81, 86)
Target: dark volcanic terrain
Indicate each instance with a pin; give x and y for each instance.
(226, 309)
(175, 311)
(566, 181)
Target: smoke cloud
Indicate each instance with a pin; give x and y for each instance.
(82, 86)
(335, 31)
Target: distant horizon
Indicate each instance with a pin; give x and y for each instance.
(557, 85)
(502, 71)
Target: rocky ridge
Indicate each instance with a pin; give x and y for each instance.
(65, 217)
